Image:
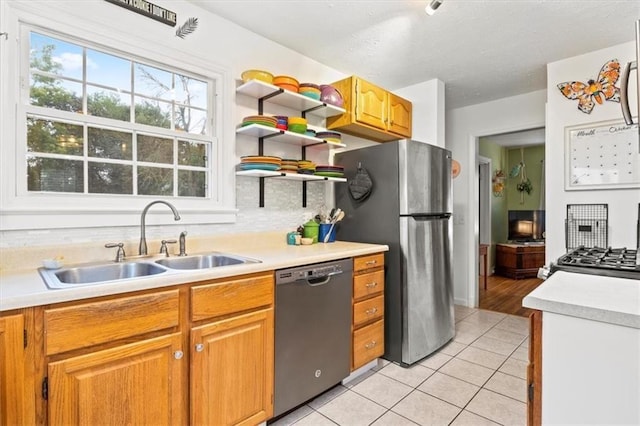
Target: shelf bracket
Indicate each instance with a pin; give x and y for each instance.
(304, 113)
(266, 97)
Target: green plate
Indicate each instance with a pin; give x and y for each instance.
(329, 174)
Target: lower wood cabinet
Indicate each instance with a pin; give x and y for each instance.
(15, 407)
(198, 354)
(232, 370)
(368, 309)
(138, 383)
(534, 370)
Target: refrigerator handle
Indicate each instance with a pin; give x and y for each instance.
(429, 216)
(624, 91)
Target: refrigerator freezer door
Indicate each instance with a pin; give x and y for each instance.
(427, 281)
(424, 173)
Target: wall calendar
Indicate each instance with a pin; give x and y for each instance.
(602, 155)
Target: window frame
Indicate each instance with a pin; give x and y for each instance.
(20, 209)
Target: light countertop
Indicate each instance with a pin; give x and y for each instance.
(21, 285)
(592, 297)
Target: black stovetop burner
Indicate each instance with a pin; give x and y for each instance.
(612, 262)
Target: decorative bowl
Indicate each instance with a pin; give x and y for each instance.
(297, 120)
(331, 95)
(261, 75)
(286, 79)
(297, 128)
(289, 87)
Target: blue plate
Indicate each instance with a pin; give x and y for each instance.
(259, 166)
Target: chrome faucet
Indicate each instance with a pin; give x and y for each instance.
(142, 248)
(183, 242)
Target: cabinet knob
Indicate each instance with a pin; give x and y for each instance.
(178, 354)
(199, 347)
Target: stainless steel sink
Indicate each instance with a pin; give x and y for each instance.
(100, 273)
(93, 274)
(204, 261)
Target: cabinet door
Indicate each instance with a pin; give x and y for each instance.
(12, 359)
(371, 104)
(232, 370)
(400, 111)
(534, 370)
(134, 384)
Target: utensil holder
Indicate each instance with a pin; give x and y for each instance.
(327, 228)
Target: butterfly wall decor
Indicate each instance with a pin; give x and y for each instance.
(604, 88)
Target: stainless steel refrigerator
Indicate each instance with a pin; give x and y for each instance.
(409, 209)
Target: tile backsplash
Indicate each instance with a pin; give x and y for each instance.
(283, 211)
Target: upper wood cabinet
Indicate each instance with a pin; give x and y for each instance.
(372, 112)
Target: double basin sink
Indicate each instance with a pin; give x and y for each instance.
(99, 273)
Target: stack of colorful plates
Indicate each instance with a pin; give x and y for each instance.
(289, 166)
(260, 162)
(306, 167)
(282, 122)
(332, 137)
(329, 171)
(265, 120)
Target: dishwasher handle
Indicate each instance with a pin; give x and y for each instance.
(318, 281)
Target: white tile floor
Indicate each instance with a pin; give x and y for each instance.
(477, 379)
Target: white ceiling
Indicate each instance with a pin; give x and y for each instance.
(481, 49)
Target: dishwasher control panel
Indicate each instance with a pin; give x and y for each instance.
(309, 272)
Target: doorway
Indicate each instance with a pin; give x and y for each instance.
(497, 195)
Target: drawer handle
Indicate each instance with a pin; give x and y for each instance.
(371, 311)
(371, 344)
(371, 285)
(370, 262)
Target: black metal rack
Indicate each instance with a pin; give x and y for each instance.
(587, 225)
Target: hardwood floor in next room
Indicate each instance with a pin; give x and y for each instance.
(505, 294)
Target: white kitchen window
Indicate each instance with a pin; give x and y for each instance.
(96, 125)
(104, 123)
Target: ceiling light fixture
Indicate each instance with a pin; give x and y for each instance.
(431, 7)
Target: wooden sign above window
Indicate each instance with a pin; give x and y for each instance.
(149, 10)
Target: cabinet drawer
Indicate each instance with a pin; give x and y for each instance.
(88, 324)
(368, 343)
(367, 262)
(368, 310)
(368, 284)
(226, 297)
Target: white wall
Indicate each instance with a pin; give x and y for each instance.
(561, 112)
(428, 111)
(463, 128)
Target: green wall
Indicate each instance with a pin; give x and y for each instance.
(533, 157)
(505, 159)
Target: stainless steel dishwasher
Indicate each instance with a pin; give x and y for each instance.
(312, 331)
